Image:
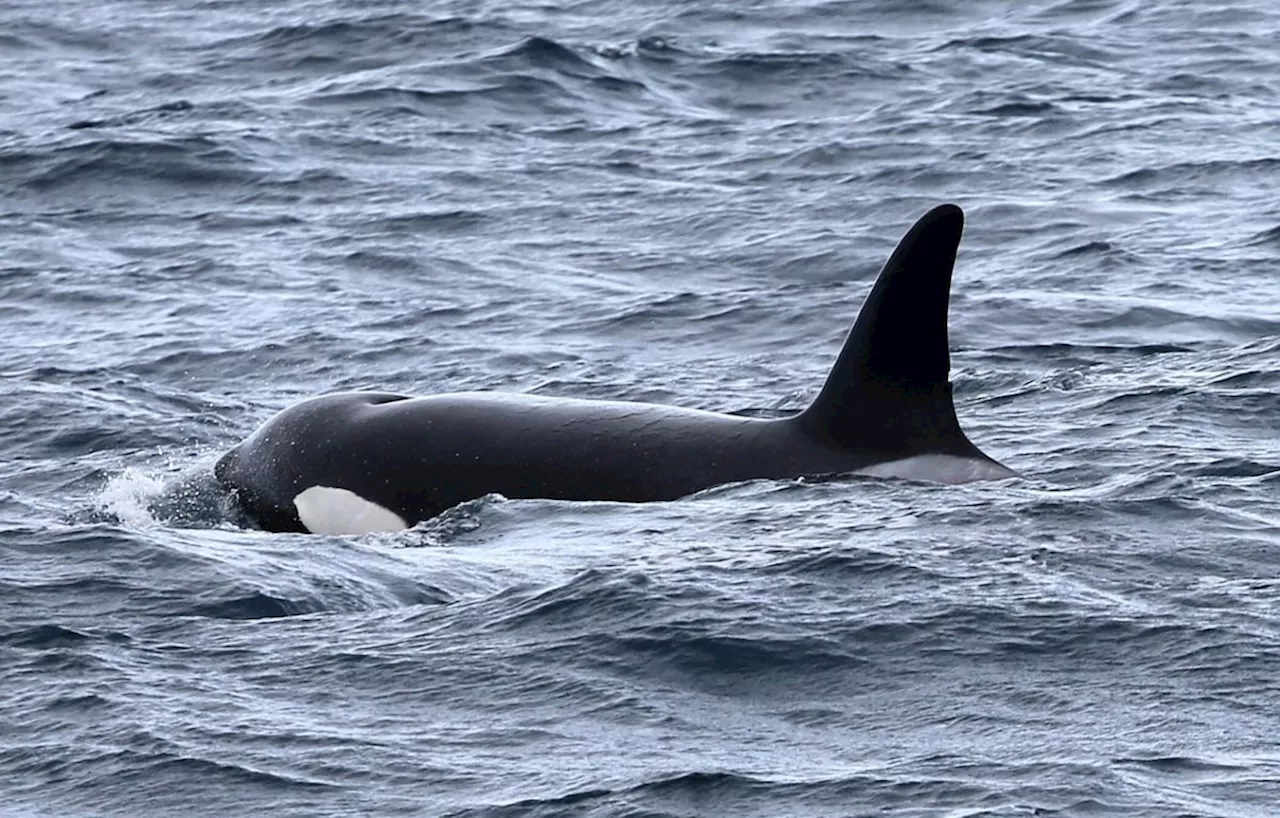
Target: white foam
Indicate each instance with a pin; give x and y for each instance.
(128, 495)
(326, 510)
(940, 468)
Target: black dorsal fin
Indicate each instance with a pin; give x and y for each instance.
(888, 390)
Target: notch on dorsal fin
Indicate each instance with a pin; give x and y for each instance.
(888, 391)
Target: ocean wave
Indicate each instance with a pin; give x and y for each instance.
(48, 636)
(181, 162)
(349, 44)
(533, 76)
(165, 777)
(1065, 50)
(1180, 175)
(254, 605)
(145, 117)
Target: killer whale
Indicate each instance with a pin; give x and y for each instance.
(357, 462)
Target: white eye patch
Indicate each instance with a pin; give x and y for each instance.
(326, 510)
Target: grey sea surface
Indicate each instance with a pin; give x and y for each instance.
(213, 208)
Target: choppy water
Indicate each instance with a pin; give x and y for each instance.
(211, 208)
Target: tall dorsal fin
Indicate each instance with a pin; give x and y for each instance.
(888, 390)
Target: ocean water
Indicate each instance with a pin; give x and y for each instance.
(212, 208)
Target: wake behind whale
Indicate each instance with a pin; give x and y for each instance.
(368, 461)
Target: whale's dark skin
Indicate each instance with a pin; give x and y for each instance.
(886, 399)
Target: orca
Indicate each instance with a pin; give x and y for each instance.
(361, 462)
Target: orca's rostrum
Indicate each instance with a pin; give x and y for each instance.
(368, 461)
